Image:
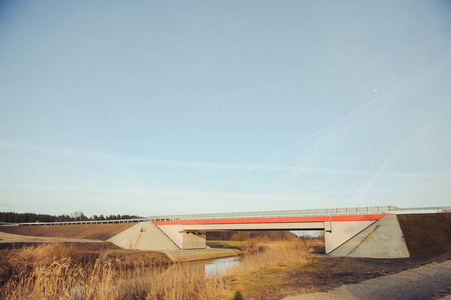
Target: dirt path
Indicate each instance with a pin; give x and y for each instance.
(424, 282)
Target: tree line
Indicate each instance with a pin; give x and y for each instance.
(13, 217)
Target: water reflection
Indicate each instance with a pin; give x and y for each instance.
(212, 267)
(218, 266)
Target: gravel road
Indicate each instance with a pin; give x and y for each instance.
(424, 282)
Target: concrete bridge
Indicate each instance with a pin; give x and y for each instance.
(353, 231)
(341, 225)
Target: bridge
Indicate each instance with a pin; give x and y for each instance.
(339, 224)
(345, 228)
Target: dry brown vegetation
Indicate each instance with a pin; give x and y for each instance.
(426, 234)
(256, 275)
(66, 271)
(273, 271)
(272, 275)
(85, 231)
(62, 271)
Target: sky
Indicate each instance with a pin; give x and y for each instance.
(179, 107)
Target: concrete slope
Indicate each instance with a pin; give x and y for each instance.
(383, 239)
(143, 236)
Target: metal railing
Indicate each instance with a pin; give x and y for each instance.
(78, 222)
(410, 210)
(368, 210)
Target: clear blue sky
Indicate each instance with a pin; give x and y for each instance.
(162, 107)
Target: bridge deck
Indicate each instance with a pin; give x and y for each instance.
(373, 217)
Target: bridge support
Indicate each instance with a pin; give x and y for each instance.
(184, 239)
(341, 231)
(143, 236)
(382, 239)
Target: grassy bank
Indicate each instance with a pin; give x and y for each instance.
(101, 232)
(59, 271)
(261, 274)
(426, 234)
(273, 271)
(65, 271)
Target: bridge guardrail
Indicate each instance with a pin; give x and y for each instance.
(78, 222)
(368, 210)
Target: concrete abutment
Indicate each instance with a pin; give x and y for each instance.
(381, 239)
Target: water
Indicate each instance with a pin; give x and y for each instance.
(219, 266)
(212, 267)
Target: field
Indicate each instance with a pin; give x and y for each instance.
(100, 232)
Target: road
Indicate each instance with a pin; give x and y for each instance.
(418, 283)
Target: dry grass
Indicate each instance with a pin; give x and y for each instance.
(85, 231)
(58, 271)
(265, 269)
(426, 235)
(269, 255)
(65, 271)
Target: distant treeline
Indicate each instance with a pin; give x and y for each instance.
(245, 235)
(13, 217)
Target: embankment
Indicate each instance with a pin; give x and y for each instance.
(101, 232)
(426, 234)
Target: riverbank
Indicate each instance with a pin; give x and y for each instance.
(44, 270)
(317, 275)
(73, 272)
(431, 281)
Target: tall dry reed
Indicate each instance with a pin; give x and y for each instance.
(56, 271)
(272, 255)
(59, 271)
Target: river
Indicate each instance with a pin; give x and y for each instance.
(214, 266)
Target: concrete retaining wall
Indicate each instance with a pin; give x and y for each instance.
(143, 236)
(382, 239)
(184, 239)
